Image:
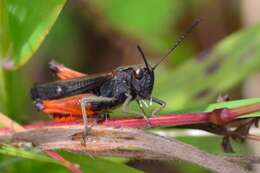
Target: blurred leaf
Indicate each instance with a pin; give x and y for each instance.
(10, 164)
(88, 164)
(64, 33)
(139, 16)
(15, 98)
(24, 24)
(211, 144)
(149, 20)
(8, 150)
(100, 165)
(117, 159)
(199, 80)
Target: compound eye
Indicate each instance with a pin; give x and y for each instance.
(138, 74)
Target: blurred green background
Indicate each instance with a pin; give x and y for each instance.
(220, 56)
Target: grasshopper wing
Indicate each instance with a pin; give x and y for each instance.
(69, 87)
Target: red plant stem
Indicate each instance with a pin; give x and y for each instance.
(220, 116)
(164, 120)
(138, 122)
(54, 155)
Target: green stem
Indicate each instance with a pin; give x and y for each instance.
(2, 92)
(5, 92)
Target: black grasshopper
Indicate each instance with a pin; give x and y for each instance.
(84, 95)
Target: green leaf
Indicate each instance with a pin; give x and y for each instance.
(199, 80)
(99, 165)
(12, 151)
(228, 104)
(24, 24)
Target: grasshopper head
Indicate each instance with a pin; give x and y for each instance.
(142, 82)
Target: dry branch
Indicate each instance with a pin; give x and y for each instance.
(119, 141)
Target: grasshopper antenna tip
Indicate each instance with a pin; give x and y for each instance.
(178, 42)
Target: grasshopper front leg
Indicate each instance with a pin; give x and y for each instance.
(125, 108)
(160, 102)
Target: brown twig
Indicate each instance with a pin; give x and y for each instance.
(124, 142)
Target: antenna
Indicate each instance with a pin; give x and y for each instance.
(178, 42)
(144, 58)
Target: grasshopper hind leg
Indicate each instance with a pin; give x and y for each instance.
(88, 101)
(83, 104)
